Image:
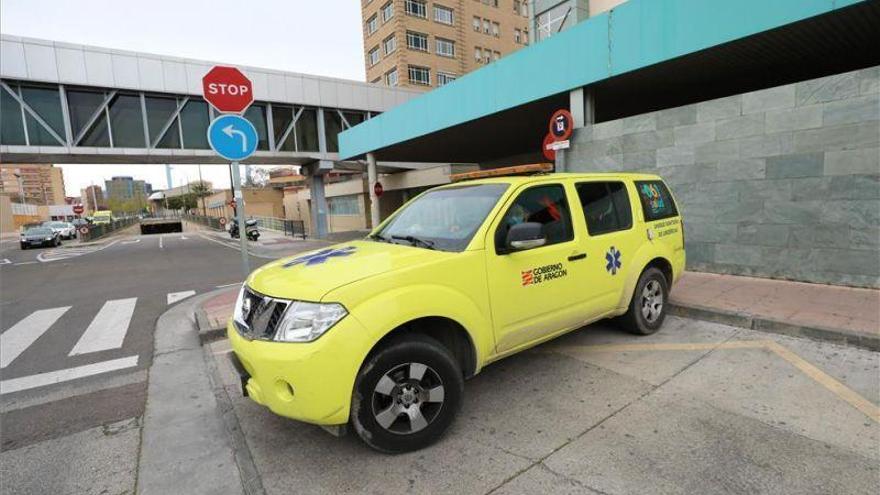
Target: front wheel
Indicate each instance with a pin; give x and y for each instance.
(647, 309)
(406, 395)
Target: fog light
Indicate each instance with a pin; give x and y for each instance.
(284, 390)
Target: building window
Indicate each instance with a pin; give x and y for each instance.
(443, 15)
(477, 24)
(344, 205)
(391, 77)
(374, 56)
(478, 54)
(444, 78)
(524, 9)
(496, 29)
(526, 37)
(390, 44)
(445, 48)
(496, 56)
(387, 11)
(516, 6)
(486, 28)
(372, 25)
(416, 8)
(417, 41)
(517, 36)
(419, 75)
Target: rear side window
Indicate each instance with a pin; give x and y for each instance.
(606, 206)
(656, 201)
(542, 204)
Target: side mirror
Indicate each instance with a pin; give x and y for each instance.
(527, 235)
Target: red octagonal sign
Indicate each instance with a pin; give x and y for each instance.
(227, 89)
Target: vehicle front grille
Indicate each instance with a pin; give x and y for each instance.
(261, 315)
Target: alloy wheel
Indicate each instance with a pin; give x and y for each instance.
(652, 301)
(408, 398)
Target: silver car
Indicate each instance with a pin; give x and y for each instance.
(65, 230)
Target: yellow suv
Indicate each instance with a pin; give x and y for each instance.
(380, 333)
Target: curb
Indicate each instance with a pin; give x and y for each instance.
(744, 320)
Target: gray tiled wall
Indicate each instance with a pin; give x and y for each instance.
(782, 182)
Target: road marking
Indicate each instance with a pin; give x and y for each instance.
(5, 261)
(53, 377)
(161, 237)
(833, 386)
(837, 388)
(227, 285)
(65, 253)
(173, 297)
(133, 241)
(24, 333)
(26, 263)
(107, 330)
(222, 243)
(183, 237)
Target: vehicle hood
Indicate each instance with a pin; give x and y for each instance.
(36, 237)
(311, 275)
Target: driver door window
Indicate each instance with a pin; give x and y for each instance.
(543, 204)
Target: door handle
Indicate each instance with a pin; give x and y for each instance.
(576, 257)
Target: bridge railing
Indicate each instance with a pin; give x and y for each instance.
(96, 231)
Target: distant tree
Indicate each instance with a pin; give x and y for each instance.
(258, 177)
(201, 189)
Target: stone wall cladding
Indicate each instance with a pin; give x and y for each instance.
(783, 182)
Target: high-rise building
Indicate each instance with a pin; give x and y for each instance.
(551, 16)
(125, 188)
(421, 43)
(36, 184)
(93, 198)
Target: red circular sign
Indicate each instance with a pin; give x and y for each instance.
(231, 204)
(84, 230)
(227, 89)
(548, 153)
(222, 220)
(378, 189)
(561, 124)
(78, 209)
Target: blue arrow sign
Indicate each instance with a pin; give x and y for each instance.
(233, 137)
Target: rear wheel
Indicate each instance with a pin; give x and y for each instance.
(647, 309)
(406, 395)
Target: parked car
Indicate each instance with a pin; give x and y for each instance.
(64, 229)
(381, 333)
(39, 236)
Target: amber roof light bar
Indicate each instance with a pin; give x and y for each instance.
(532, 168)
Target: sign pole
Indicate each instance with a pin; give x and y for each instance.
(237, 196)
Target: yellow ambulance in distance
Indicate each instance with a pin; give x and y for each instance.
(380, 333)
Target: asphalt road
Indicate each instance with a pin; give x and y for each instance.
(78, 325)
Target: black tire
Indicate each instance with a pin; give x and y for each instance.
(391, 370)
(23, 246)
(635, 319)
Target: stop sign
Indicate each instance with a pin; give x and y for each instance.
(78, 209)
(227, 89)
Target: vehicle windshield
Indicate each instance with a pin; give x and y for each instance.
(444, 219)
(38, 231)
(56, 225)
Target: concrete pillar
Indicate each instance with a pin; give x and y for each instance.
(582, 106)
(372, 178)
(319, 205)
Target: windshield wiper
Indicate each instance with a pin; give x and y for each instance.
(415, 241)
(378, 237)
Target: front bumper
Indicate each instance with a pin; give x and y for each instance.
(310, 382)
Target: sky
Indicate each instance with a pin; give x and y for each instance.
(321, 37)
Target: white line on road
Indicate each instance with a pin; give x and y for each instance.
(24, 333)
(183, 237)
(173, 297)
(108, 329)
(26, 263)
(133, 241)
(161, 237)
(227, 285)
(5, 261)
(52, 377)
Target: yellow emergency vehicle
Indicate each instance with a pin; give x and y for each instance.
(380, 333)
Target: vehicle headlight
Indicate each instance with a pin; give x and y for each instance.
(306, 321)
(49, 238)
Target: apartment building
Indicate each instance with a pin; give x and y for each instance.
(35, 184)
(422, 43)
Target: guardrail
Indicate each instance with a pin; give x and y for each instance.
(96, 231)
(293, 228)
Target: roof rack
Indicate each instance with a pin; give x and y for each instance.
(530, 169)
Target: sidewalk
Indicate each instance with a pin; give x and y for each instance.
(824, 312)
(271, 244)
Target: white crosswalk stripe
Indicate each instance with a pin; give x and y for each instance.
(108, 329)
(53, 377)
(24, 333)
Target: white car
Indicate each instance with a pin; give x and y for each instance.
(65, 230)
